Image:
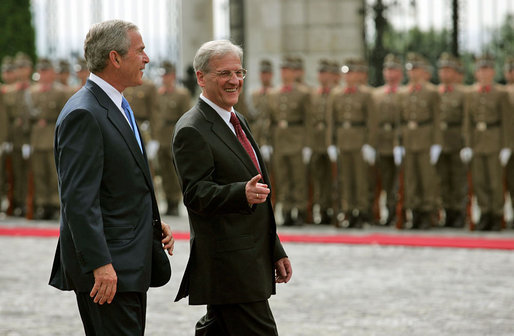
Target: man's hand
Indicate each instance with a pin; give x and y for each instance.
(105, 284)
(167, 240)
(283, 270)
(256, 192)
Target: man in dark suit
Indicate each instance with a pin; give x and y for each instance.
(108, 207)
(236, 256)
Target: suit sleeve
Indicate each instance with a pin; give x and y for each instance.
(79, 159)
(195, 167)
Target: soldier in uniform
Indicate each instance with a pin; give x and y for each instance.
(385, 137)
(335, 73)
(173, 101)
(320, 162)
(421, 136)
(350, 120)
(48, 97)
(63, 72)
(488, 136)
(450, 169)
(260, 104)
(8, 78)
(16, 102)
(289, 106)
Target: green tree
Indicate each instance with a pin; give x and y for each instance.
(17, 31)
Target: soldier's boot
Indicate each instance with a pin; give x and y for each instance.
(495, 223)
(449, 217)
(459, 220)
(483, 223)
(416, 219)
(288, 220)
(326, 216)
(391, 215)
(427, 219)
(355, 219)
(172, 209)
(300, 219)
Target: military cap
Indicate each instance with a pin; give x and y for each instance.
(415, 60)
(287, 62)
(22, 60)
(265, 66)
(324, 65)
(447, 60)
(80, 65)
(44, 64)
(8, 64)
(63, 66)
(509, 64)
(484, 61)
(167, 67)
(391, 61)
(354, 64)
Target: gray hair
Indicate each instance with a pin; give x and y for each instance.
(212, 49)
(103, 38)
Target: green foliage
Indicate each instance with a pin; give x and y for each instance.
(502, 45)
(17, 32)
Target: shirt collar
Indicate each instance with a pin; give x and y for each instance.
(114, 94)
(224, 114)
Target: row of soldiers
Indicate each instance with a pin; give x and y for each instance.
(30, 102)
(427, 148)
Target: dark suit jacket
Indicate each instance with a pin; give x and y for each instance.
(107, 198)
(233, 246)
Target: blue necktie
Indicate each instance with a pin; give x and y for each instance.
(130, 116)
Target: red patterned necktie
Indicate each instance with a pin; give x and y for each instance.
(241, 136)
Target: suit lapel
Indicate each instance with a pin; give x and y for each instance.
(121, 125)
(220, 128)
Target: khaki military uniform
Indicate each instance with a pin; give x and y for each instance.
(350, 120)
(451, 170)
(16, 100)
(420, 120)
(47, 104)
(488, 129)
(260, 102)
(289, 135)
(172, 105)
(384, 138)
(142, 100)
(320, 162)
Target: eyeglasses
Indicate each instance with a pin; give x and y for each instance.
(227, 74)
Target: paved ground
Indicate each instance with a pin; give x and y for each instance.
(336, 290)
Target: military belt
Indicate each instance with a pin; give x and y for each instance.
(445, 124)
(387, 126)
(286, 124)
(350, 124)
(412, 124)
(482, 125)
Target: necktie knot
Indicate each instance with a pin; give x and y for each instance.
(234, 120)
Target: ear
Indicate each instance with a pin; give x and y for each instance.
(114, 58)
(200, 78)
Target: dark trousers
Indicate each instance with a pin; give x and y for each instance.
(246, 319)
(125, 315)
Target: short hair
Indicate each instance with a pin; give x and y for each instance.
(103, 38)
(211, 49)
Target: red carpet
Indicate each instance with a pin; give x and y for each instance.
(364, 239)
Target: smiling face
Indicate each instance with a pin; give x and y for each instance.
(222, 92)
(133, 63)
